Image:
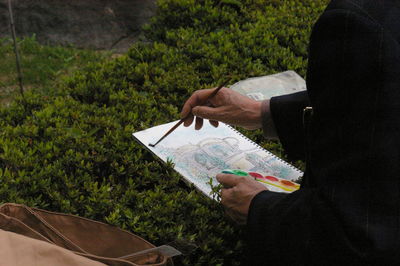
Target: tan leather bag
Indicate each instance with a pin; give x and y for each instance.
(30, 236)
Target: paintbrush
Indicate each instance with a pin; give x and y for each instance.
(212, 94)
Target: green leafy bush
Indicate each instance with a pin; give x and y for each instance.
(74, 152)
(42, 66)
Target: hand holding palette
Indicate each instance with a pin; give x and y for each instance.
(271, 182)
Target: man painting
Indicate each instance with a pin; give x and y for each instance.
(348, 208)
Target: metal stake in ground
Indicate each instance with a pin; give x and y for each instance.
(17, 58)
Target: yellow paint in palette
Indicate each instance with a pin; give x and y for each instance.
(282, 184)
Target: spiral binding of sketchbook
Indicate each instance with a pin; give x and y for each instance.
(199, 155)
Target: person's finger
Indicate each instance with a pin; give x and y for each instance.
(214, 123)
(197, 98)
(199, 123)
(189, 120)
(189, 104)
(228, 180)
(211, 113)
(225, 196)
(187, 107)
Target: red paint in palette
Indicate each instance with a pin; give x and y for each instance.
(260, 176)
(271, 178)
(288, 183)
(256, 175)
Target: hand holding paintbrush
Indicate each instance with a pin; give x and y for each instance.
(227, 106)
(188, 116)
(220, 104)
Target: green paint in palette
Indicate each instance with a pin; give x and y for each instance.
(229, 172)
(240, 173)
(235, 172)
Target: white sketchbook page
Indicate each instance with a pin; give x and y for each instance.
(201, 155)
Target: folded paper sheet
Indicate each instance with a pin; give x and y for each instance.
(265, 87)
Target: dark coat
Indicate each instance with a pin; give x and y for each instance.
(348, 208)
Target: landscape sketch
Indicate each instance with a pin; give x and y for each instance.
(199, 155)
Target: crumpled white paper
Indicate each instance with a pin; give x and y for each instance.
(265, 87)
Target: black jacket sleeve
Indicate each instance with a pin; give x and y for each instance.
(348, 208)
(287, 114)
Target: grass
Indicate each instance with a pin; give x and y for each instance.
(42, 66)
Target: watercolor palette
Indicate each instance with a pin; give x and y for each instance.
(271, 182)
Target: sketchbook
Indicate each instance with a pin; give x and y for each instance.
(199, 155)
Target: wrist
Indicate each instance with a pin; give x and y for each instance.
(267, 121)
(257, 115)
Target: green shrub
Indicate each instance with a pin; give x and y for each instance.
(74, 152)
(41, 65)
